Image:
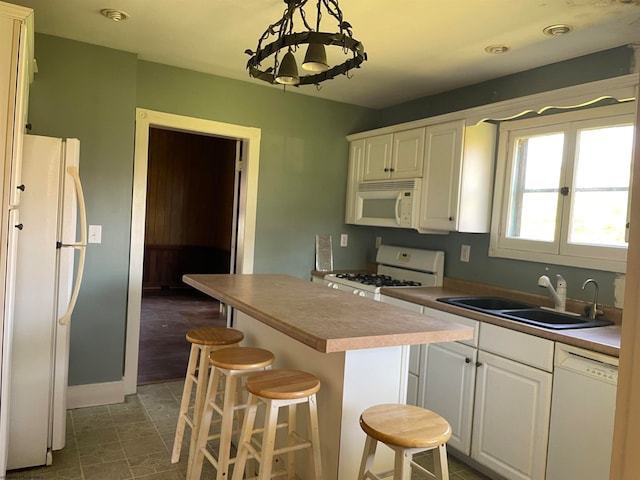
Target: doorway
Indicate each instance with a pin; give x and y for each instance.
(189, 228)
(241, 251)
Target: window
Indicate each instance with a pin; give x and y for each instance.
(562, 188)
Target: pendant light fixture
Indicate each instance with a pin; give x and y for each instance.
(281, 40)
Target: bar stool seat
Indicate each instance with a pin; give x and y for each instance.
(275, 389)
(203, 341)
(230, 364)
(407, 430)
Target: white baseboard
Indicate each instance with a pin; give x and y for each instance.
(91, 395)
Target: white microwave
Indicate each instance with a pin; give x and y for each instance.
(388, 203)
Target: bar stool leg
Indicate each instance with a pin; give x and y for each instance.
(315, 437)
(268, 440)
(291, 458)
(440, 465)
(194, 467)
(245, 437)
(402, 465)
(201, 392)
(184, 403)
(226, 428)
(368, 457)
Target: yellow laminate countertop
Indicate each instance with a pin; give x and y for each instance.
(325, 319)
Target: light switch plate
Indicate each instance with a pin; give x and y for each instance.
(95, 234)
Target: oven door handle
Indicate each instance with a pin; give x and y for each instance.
(398, 200)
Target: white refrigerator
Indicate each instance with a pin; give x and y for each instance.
(46, 289)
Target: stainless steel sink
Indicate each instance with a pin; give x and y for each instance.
(524, 313)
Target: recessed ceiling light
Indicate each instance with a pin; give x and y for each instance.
(115, 15)
(557, 30)
(496, 49)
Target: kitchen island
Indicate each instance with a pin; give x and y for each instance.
(356, 346)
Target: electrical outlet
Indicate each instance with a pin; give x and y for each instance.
(465, 253)
(378, 242)
(344, 240)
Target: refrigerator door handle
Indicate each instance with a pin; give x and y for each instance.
(81, 246)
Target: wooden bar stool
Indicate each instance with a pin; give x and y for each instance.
(203, 342)
(231, 365)
(275, 389)
(407, 430)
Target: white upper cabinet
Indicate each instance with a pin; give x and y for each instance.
(355, 176)
(16, 70)
(457, 178)
(394, 155)
(454, 161)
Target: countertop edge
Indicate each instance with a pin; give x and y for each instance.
(604, 340)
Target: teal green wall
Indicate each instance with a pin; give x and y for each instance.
(91, 93)
(303, 158)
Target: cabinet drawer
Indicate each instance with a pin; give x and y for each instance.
(450, 317)
(527, 349)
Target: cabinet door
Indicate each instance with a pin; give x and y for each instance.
(448, 388)
(20, 115)
(355, 176)
(511, 417)
(377, 157)
(408, 153)
(441, 177)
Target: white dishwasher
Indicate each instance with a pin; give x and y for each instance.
(582, 414)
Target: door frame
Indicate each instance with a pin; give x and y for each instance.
(246, 221)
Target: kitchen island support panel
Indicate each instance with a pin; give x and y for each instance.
(350, 382)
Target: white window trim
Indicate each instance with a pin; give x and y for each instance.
(501, 247)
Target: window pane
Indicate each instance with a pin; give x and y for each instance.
(534, 189)
(601, 187)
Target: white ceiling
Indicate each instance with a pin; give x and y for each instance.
(415, 47)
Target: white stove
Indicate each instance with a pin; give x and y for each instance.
(397, 267)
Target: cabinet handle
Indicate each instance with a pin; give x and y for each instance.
(28, 126)
(392, 169)
(20, 187)
(19, 226)
(467, 360)
(478, 364)
(451, 219)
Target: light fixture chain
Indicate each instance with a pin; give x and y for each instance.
(336, 13)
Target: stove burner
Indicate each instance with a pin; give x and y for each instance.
(377, 280)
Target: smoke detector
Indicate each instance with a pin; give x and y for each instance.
(115, 15)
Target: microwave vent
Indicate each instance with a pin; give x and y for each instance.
(408, 184)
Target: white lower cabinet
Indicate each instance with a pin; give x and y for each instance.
(511, 417)
(448, 388)
(496, 398)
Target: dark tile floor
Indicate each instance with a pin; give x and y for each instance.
(133, 440)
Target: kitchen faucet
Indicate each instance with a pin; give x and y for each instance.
(592, 310)
(559, 294)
